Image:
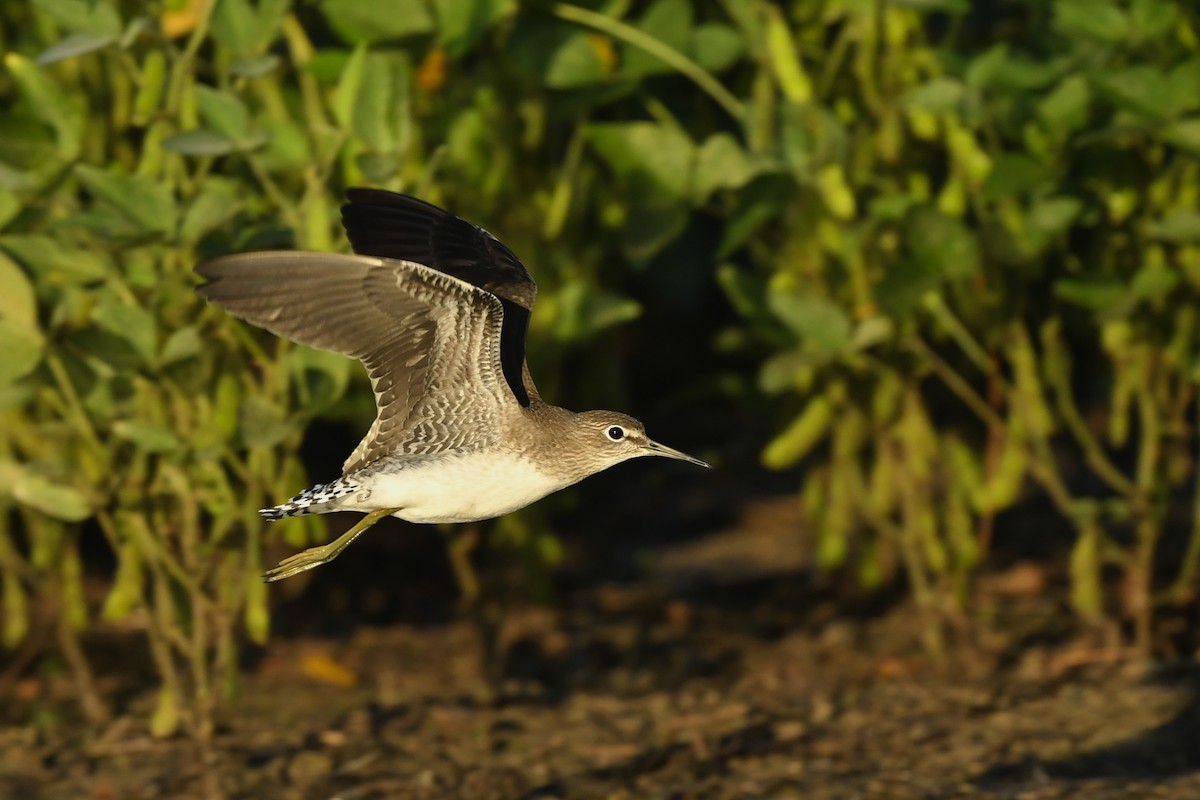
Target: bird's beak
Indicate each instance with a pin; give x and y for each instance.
(655, 449)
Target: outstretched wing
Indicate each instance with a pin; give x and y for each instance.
(419, 332)
(391, 225)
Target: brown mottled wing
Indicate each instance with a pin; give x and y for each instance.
(422, 335)
(390, 225)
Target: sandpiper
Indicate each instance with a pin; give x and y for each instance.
(436, 309)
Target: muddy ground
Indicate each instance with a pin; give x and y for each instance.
(710, 667)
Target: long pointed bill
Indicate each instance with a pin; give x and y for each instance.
(656, 449)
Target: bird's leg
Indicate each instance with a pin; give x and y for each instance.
(316, 556)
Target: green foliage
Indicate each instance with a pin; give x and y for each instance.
(896, 209)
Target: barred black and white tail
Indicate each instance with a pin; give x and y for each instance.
(317, 500)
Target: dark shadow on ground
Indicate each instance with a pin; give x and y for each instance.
(1169, 750)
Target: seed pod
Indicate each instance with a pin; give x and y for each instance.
(960, 528)
(881, 482)
(849, 434)
(74, 606)
(164, 721)
(885, 400)
(925, 525)
(785, 59)
(870, 564)
(923, 124)
(805, 432)
(965, 474)
(1125, 385)
(16, 611)
(833, 541)
(812, 497)
(835, 192)
(1001, 487)
(154, 74)
(126, 592)
(257, 615)
(1030, 394)
(916, 434)
(227, 405)
(1086, 590)
(47, 536)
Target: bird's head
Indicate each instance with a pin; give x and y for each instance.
(611, 437)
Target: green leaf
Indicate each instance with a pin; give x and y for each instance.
(1065, 110)
(668, 21)
(224, 112)
(1141, 89)
(345, 96)
(560, 56)
(717, 47)
(218, 201)
(721, 163)
(262, 423)
(943, 243)
(1153, 282)
(585, 310)
(53, 499)
(1181, 226)
(377, 21)
(763, 199)
(1099, 19)
(148, 437)
(1014, 174)
(816, 319)
(52, 262)
(77, 44)
(461, 23)
(1184, 134)
(381, 115)
(50, 104)
(235, 25)
(255, 67)
(287, 146)
(17, 301)
(1103, 296)
(10, 206)
(181, 345)
(144, 201)
(132, 324)
(96, 17)
(22, 346)
(938, 96)
(1051, 217)
(661, 153)
(1152, 19)
(746, 291)
(1182, 81)
(904, 285)
(200, 142)
(320, 377)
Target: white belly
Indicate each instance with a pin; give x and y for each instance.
(456, 489)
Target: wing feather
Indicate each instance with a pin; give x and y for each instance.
(397, 317)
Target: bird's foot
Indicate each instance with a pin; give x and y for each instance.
(323, 554)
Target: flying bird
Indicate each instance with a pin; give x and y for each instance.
(436, 309)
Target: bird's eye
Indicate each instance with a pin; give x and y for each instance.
(616, 433)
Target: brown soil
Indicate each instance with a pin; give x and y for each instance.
(726, 671)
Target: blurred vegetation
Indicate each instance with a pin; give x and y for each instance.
(961, 241)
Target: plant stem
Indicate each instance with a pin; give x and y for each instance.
(663, 52)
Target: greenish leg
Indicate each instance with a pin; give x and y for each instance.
(316, 556)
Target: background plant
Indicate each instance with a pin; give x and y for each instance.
(966, 233)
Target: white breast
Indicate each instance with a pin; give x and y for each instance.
(456, 489)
